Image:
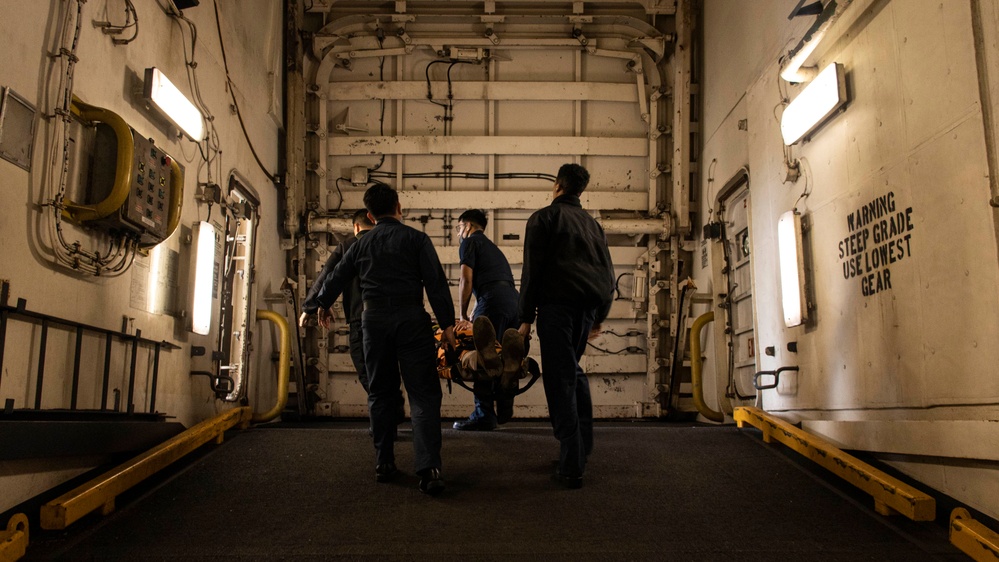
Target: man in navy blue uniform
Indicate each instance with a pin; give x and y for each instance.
(485, 272)
(395, 264)
(352, 304)
(567, 285)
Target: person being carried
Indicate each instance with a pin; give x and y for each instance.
(486, 273)
(482, 359)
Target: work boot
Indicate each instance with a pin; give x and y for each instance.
(431, 481)
(386, 472)
(484, 337)
(513, 358)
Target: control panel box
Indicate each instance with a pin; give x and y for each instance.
(146, 211)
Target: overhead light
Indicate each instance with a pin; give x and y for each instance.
(792, 268)
(821, 98)
(204, 242)
(173, 104)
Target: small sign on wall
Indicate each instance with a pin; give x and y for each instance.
(880, 236)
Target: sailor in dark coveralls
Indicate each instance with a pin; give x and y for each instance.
(567, 284)
(352, 304)
(395, 263)
(485, 272)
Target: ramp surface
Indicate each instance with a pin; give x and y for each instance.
(652, 492)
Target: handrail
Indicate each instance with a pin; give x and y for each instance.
(20, 310)
(100, 493)
(123, 172)
(696, 380)
(14, 541)
(774, 374)
(48, 321)
(890, 495)
(284, 365)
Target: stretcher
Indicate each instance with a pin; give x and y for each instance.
(451, 369)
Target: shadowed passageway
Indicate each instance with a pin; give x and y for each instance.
(652, 492)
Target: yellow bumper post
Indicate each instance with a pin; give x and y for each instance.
(697, 370)
(974, 539)
(890, 495)
(14, 541)
(284, 365)
(101, 492)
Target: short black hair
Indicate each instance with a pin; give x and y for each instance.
(380, 200)
(573, 178)
(474, 216)
(361, 217)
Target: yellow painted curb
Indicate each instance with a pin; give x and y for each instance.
(974, 539)
(14, 541)
(102, 491)
(890, 494)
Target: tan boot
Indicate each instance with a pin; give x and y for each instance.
(513, 358)
(484, 338)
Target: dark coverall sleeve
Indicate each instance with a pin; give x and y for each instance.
(608, 300)
(535, 254)
(310, 306)
(436, 284)
(338, 279)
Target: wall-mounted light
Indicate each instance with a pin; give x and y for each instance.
(821, 98)
(792, 268)
(173, 104)
(204, 241)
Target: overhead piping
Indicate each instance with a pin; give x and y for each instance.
(795, 71)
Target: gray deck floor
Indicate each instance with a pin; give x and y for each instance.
(652, 492)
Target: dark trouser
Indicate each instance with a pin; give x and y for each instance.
(356, 340)
(563, 331)
(399, 342)
(500, 307)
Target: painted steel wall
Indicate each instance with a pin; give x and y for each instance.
(106, 76)
(521, 94)
(901, 239)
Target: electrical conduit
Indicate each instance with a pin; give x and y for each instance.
(696, 378)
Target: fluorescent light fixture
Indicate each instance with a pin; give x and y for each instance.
(173, 104)
(205, 239)
(792, 268)
(153, 283)
(820, 99)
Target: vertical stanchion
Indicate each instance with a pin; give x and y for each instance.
(129, 405)
(3, 339)
(41, 364)
(156, 373)
(76, 368)
(107, 372)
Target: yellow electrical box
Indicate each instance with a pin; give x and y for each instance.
(134, 188)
